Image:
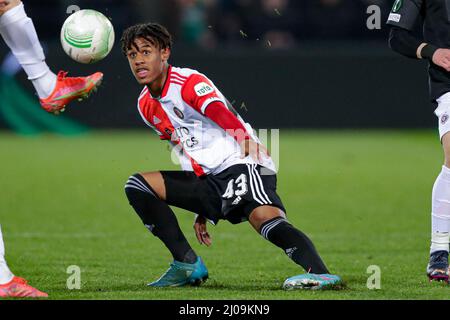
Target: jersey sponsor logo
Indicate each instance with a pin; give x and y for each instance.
(178, 113)
(444, 118)
(395, 17)
(185, 137)
(202, 89)
(397, 6)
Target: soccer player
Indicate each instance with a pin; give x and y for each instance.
(54, 91)
(435, 47)
(12, 286)
(227, 174)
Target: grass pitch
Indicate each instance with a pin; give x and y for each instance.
(362, 196)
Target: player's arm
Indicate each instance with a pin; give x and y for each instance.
(403, 17)
(220, 114)
(403, 42)
(200, 94)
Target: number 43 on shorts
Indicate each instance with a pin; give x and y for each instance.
(236, 187)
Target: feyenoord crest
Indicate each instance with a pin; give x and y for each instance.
(397, 5)
(178, 113)
(444, 118)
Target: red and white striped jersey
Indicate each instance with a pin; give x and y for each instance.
(178, 115)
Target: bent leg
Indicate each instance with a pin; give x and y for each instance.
(271, 223)
(146, 194)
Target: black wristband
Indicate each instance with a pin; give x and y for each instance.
(428, 51)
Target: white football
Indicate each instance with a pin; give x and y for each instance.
(87, 36)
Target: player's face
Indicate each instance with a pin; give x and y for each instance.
(147, 61)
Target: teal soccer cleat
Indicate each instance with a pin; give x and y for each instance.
(311, 281)
(181, 274)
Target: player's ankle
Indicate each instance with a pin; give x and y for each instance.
(190, 257)
(6, 280)
(439, 242)
(45, 85)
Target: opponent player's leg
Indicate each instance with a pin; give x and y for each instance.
(146, 193)
(55, 92)
(12, 286)
(437, 268)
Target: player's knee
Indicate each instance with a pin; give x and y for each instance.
(445, 140)
(262, 215)
(441, 208)
(141, 197)
(137, 187)
(447, 161)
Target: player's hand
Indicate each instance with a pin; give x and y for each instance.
(442, 58)
(254, 149)
(202, 234)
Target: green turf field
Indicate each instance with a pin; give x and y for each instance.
(362, 196)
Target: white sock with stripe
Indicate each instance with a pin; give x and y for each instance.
(440, 212)
(5, 274)
(18, 31)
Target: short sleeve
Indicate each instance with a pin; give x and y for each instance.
(404, 13)
(198, 92)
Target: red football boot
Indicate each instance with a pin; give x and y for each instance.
(19, 288)
(68, 89)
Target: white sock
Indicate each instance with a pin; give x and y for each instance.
(440, 212)
(5, 274)
(18, 31)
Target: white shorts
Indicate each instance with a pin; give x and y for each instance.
(443, 114)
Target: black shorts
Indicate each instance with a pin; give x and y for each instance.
(230, 195)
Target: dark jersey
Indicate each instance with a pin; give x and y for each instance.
(435, 15)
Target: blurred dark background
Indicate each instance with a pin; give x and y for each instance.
(283, 63)
(216, 23)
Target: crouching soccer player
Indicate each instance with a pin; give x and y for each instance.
(223, 164)
(54, 91)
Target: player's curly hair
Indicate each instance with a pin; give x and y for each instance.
(153, 32)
